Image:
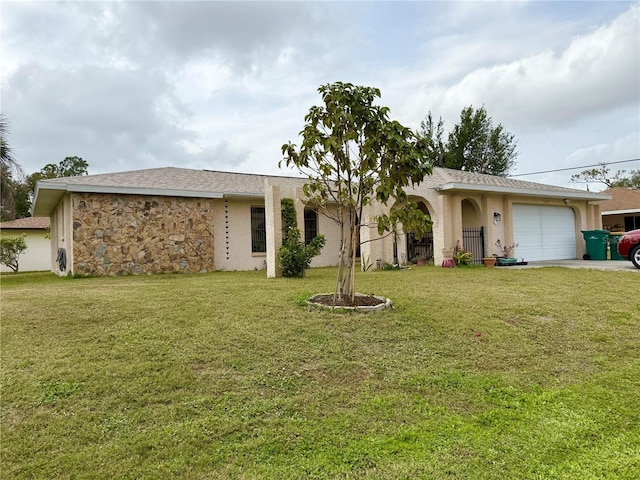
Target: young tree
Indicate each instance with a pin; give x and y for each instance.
(601, 175)
(353, 155)
(474, 144)
(10, 250)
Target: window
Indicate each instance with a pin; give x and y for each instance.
(310, 225)
(631, 223)
(258, 230)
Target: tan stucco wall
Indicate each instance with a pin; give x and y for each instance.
(38, 254)
(61, 232)
(326, 226)
(135, 234)
(233, 235)
(329, 255)
(120, 234)
(450, 212)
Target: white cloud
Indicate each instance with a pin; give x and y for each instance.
(624, 148)
(223, 85)
(598, 71)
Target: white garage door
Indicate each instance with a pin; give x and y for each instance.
(544, 233)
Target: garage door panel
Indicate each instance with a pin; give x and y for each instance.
(544, 232)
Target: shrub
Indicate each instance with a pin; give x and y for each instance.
(295, 257)
(460, 256)
(288, 217)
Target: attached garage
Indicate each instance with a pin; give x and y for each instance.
(544, 232)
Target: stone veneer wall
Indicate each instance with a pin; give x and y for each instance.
(136, 234)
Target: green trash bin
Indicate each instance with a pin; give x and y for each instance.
(597, 242)
(614, 238)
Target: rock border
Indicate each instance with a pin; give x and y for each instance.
(386, 303)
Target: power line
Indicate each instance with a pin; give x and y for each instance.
(576, 168)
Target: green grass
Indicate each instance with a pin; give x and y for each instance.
(474, 374)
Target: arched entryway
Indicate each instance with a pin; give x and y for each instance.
(419, 247)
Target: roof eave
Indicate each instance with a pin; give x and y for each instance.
(529, 192)
(244, 196)
(53, 192)
(621, 212)
(45, 200)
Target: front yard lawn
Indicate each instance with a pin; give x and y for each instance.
(474, 374)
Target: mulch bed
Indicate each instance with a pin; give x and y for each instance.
(359, 301)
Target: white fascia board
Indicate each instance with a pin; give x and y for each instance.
(143, 191)
(248, 196)
(620, 212)
(453, 186)
(48, 188)
(166, 192)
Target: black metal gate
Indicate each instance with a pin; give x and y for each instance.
(419, 247)
(473, 241)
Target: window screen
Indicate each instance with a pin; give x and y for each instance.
(310, 225)
(258, 230)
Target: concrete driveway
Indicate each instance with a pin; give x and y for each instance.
(595, 264)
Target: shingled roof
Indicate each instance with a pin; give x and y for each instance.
(172, 181)
(623, 200)
(168, 181)
(461, 181)
(29, 223)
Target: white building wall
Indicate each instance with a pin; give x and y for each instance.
(232, 238)
(38, 254)
(330, 253)
(61, 232)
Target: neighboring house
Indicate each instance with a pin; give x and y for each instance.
(181, 220)
(622, 212)
(38, 254)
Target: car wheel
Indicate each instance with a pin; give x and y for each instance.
(635, 256)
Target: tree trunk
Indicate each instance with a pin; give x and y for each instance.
(345, 284)
(342, 270)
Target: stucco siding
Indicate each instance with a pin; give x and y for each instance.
(330, 252)
(62, 235)
(233, 235)
(38, 254)
(136, 234)
(162, 220)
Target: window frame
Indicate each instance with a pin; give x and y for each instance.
(310, 231)
(258, 230)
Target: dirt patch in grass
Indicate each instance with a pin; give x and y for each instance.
(358, 301)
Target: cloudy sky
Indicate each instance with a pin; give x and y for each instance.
(222, 85)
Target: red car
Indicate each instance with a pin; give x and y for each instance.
(629, 247)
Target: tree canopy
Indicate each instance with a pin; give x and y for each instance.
(24, 190)
(474, 144)
(601, 175)
(8, 168)
(352, 155)
(6, 153)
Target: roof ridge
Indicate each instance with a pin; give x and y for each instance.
(444, 174)
(252, 174)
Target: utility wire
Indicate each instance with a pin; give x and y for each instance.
(576, 168)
